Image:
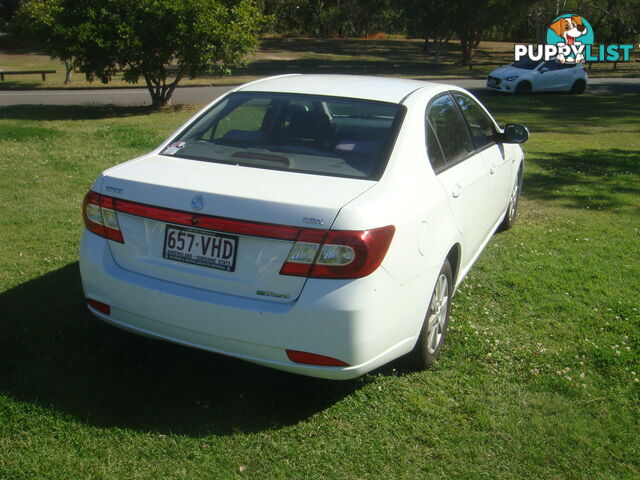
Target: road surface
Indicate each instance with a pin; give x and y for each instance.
(201, 95)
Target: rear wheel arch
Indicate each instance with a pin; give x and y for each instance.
(454, 256)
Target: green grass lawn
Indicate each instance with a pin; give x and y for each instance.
(539, 376)
(395, 56)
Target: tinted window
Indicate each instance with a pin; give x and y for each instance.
(526, 63)
(248, 118)
(480, 125)
(450, 129)
(302, 133)
(553, 65)
(433, 149)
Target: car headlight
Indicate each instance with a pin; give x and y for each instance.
(511, 79)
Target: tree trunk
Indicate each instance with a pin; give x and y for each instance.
(436, 59)
(467, 51)
(160, 91)
(425, 45)
(159, 100)
(69, 70)
(541, 30)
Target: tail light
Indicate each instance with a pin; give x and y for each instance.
(315, 253)
(338, 253)
(100, 216)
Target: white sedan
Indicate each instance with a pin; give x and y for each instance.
(527, 76)
(317, 224)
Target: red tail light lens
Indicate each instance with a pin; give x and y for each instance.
(314, 359)
(100, 216)
(338, 253)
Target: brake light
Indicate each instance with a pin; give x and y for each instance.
(98, 212)
(338, 253)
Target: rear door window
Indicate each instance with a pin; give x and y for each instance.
(433, 149)
(450, 129)
(480, 125)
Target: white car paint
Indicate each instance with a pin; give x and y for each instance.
(364, 322)
(545, 77)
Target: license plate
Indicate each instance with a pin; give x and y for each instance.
(208, 249)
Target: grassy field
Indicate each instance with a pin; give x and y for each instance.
(539, 377)
(395, 57)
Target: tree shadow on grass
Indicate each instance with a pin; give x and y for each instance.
(590, 179)
(564, 113)
(56, 355)
(16, 85)
(353, 56)
(76, 112)
(353, 47)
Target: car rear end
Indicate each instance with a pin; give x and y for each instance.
(223, 240)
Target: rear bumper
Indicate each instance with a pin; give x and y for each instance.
(365, 322)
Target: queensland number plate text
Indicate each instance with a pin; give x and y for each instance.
(209, 249)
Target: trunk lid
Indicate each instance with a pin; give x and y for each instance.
(254, 196)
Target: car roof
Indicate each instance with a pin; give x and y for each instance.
(383, 89)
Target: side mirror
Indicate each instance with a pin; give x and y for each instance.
(514, 133)
(544, 69)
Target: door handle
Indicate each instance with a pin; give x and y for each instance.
(457, 190)
(492, 169)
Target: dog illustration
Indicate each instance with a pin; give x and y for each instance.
(569, 29)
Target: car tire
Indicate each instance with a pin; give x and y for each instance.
(512, 209)
(523, 88)
(578, 87)
(434, 327)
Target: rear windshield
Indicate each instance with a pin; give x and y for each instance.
(311, 134)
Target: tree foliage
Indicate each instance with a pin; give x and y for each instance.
(161, 41)
(332, 17)
(614, 21)
(431, 20)
(8, 8)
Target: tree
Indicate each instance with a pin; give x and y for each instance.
(331, 17)
(40, 19)
(615, 21)
(161, 41)
(8, 8)
(472, 19)
(430, 19)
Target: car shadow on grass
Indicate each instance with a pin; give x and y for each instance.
(56, 355)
